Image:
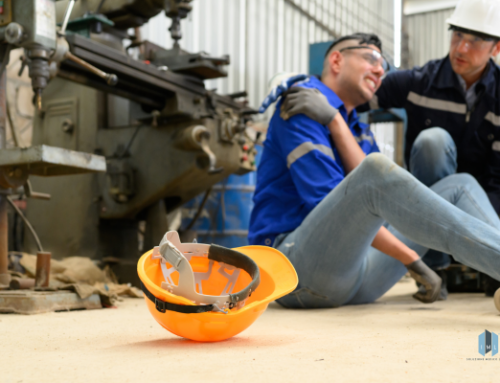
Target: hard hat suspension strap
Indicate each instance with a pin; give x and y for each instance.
(235, 258)
(163, 306)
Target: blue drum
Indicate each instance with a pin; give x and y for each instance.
(226, 215)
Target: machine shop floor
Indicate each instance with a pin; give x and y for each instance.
(396, 339)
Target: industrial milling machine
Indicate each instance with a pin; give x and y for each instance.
(30, 25)
(165, 137)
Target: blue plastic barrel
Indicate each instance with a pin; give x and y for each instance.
(226, 216)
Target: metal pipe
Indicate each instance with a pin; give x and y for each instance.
(13, 129)
(4, 223)
(67, 15)
(22, 283)
(27, 223)
(42, 277)
(138, 39)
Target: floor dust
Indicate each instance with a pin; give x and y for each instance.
(396, 339)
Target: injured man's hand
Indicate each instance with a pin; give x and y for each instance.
(428, 278)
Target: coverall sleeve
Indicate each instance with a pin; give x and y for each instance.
(392, 93)
(310, 158)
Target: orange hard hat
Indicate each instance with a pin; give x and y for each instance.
(210, 293)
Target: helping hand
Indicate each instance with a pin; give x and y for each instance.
(279, 90)
(310, 102)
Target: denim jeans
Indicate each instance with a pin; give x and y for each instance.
(433, 157)
(331, 250)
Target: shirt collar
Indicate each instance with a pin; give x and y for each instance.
(445, 77)
(479, 81)
(463, 84)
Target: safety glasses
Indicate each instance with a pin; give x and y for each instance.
(473, 42)
(373, 57)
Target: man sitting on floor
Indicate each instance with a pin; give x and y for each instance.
(353, 226)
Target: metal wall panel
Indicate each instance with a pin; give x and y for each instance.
(386, 137)
(266, 37)
(428, 36)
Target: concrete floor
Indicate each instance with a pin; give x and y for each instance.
(396, 339)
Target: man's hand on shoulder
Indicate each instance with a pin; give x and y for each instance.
(315, 105)
(308, 101)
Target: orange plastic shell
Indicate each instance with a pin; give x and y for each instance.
(277, 278)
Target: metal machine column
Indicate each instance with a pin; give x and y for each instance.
(4, 274)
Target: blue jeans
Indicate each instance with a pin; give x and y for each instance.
(331, 250)
(433, 157)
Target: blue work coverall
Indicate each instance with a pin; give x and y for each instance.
(285, 194)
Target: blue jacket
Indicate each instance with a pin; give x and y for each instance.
(432, 96)
(299, 167)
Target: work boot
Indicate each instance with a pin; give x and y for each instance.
(443, 293)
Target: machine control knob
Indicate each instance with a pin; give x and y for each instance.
(14, 34)
(67, 126)
(111, 79)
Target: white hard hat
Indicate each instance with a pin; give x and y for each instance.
(477, 15)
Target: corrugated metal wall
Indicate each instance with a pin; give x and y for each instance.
(428, 36)
(385, 135)
(265, 37)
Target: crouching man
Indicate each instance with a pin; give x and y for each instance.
(350, 220)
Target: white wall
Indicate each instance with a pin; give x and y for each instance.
(428, 36)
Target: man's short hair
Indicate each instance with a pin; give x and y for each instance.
(362, 38)
(481, 35)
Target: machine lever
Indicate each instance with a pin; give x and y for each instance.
(196, 138)
(203, 139)
(24, 63)
(66, 17)
(28, 190)
(111, 79)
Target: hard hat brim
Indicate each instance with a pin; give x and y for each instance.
(472, 28)
(278, 278)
